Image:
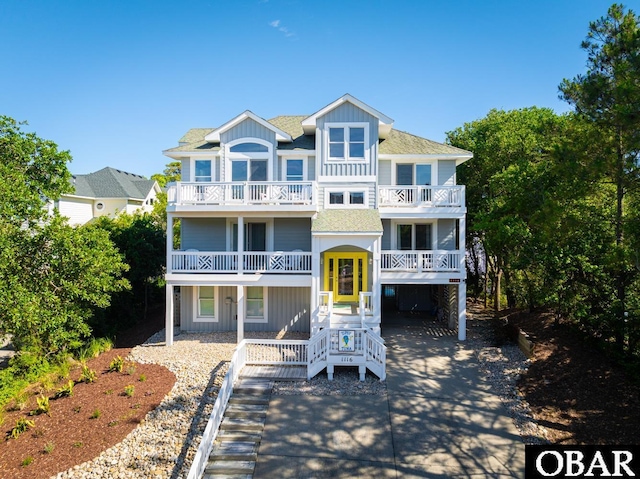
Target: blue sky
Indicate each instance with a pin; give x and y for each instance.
(116, 82)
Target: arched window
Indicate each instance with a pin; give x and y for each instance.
(249, 147)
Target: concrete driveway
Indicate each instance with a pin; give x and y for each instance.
(439, 419)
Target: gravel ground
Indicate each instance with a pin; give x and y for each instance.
(164, 445)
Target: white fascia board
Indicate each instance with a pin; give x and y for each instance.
(460, 158)
(296, 152)
(71, 196)
(214, 136)
(347, 233)
(191, 154)
(384, 126)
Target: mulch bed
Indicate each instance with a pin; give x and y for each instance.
(71, 434)
(575, 391)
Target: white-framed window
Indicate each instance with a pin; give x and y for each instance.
(255, 300)
(413, 236)
(417, 174)
(295, 169)
(339, 198)
(206, 304)
(248, 159)
(347, 141)
(258, 234)
(203, 171)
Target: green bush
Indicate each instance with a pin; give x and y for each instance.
(22, 425)
(64, 391)
(43, 406)
(88, 375)
(117, 364)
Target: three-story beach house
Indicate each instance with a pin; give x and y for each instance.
(309, 223)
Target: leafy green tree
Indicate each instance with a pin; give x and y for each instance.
(608, 96)
(53, 277)
(171, 173)
(31, 169)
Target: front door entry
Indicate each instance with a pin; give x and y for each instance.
(345, 274)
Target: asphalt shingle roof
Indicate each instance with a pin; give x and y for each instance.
(397, 142)
(111, 183)
(347, 221)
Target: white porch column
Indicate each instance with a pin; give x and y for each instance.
(462, 247)
(315, 283)
(240, 246)
(169, 242)
(462, 310)
(168, 332)
(240, 312)
(375, 282)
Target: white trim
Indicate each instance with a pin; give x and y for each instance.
(346, 126)
(413, 223)
(196, 305)
(296, 153)
(305, 169)
(265, 306)
(214, 136)
(408, 157)
(348, 179)
(230, 156)
(347, 198)
(178, 155)
(384, 122)
(408, 161)
(193, 169)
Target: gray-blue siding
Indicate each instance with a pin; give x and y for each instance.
(292, 233)
(446, 172)
(288, 310)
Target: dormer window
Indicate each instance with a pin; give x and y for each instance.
(348, 142)
(248, 160)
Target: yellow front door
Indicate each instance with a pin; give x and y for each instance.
(345, 274)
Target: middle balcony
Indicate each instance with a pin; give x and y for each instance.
(264, 262)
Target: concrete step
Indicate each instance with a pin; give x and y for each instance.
(253, 386)
(234, 451)
(242, 424)
(249, 399)
(227, 476)
(246, 410)
(229, 467)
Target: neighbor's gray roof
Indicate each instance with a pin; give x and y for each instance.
(112, 183)
(347, 221)
(397, 142)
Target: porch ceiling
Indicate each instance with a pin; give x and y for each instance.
(347, 221)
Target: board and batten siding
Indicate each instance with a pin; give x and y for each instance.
(292, 233)
(447, 234)
(288, 310)
(347, 113)
(386, 234)
(446, 172)
(185, 169)
(204, 234)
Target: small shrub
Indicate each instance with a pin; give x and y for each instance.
(131, 368)
(142, 378)
(129, 390)
(95, 414)
(64, 391)
(22, 425)
(95, 348)
(43, 406)
(109, 392)
(26, 461)
(88, 375)
(48, 448)
(77, 444)
(116, 364)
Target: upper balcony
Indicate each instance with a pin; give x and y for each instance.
(237, 196)
(395, 198)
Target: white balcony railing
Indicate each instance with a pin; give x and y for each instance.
(292, 262)
(440, 196)
(242, 193)
(422, 261)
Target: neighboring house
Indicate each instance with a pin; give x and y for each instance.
(303, 223)
(106, 192)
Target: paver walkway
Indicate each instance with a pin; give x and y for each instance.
(439, 419)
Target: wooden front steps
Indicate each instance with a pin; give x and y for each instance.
(235, 450)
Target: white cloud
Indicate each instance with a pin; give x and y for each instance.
(285, 30)
(275, 23)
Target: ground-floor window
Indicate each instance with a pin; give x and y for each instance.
(206, 304)
(256, 304)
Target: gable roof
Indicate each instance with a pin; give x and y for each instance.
(403, 143)
(214, 136)
(384, 126)
(112, 183)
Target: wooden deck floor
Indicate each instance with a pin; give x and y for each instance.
(275, 373)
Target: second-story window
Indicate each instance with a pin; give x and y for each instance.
(347, 143)
(249, 170)
(248, 160)
(295, 170)
(203, 170)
